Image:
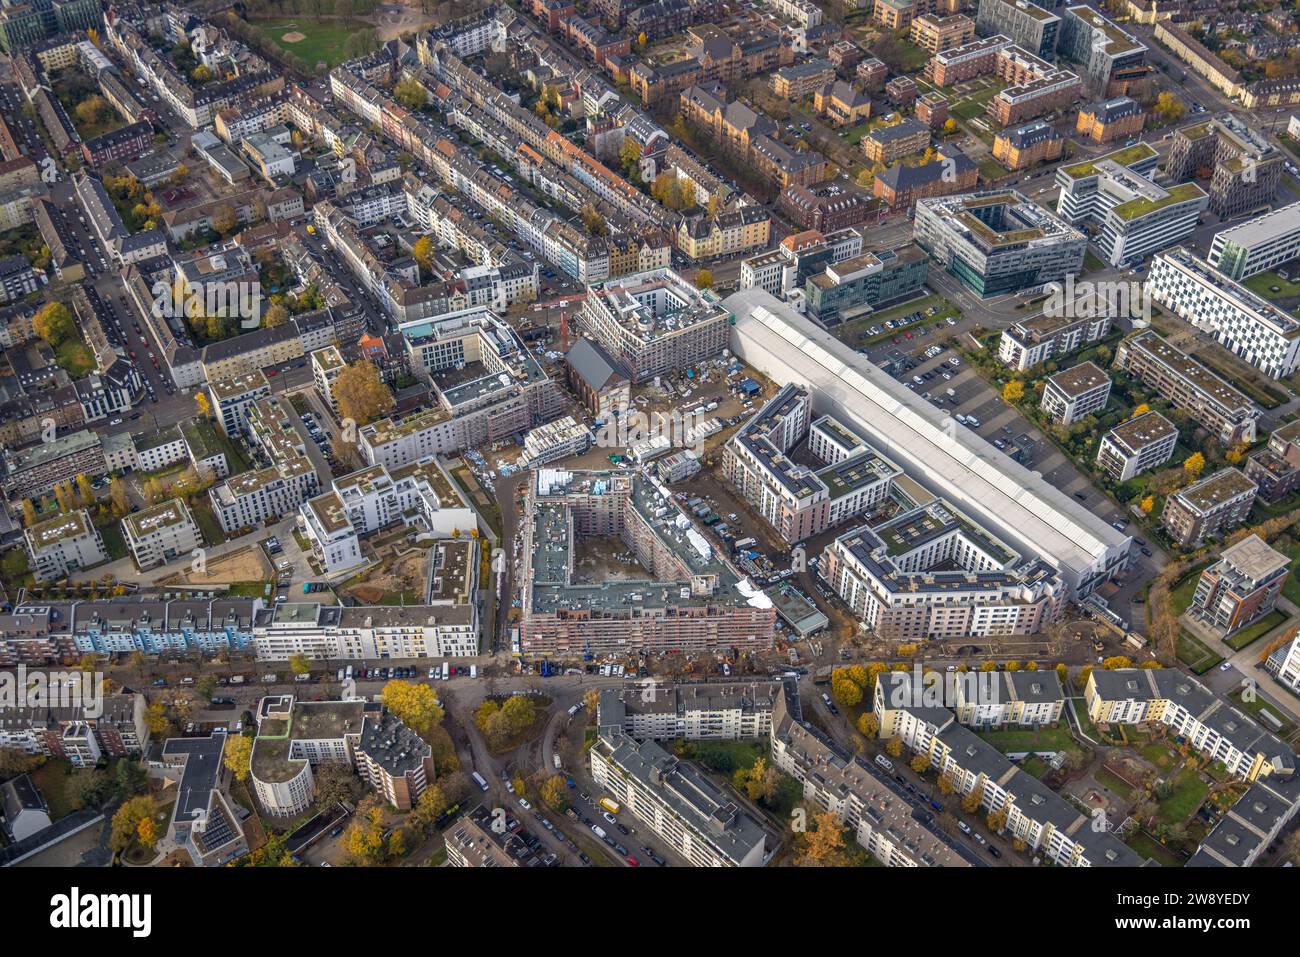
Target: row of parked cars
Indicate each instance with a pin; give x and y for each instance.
(319, 436)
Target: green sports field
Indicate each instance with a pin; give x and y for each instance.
(324, 40)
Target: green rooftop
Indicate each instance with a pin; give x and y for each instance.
(1143, 207)
(1125, 157)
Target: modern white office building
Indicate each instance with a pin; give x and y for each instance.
(1034, 517)
(1249, 325)
(1258, 245)
(1136, 216)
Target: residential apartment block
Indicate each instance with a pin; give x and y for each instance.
(934, 33)
(1029, 342)
(1073, 393)
(965, 62)
(798, 80)
(857, 793)
(887, 144)
(932, 572)
(1054, 828)
(324, 632)
(1142, 443)
(1276, 468)
(374, 498)
(64, 544)
(797, 501)
(688, 598)
(71, 732)
(277, 489)
(295, 737)
(1035, 87)
(1165, 696)
(676, 801)
(1208, 399)
(161, 534)
(1241, 586)
(726, 711)
(654, 322)
(1209, 508)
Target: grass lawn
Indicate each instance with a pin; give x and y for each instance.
(1291, 590)
(248, 589)
(1052, 738)
(968, 109)
(724, 757)
(1159, 754)
(1148, 847)
(991, 169)
(1256, 631)
(1194, 654)
(913, 57)
(854, 134)
(1272, 286)
(75, 358)
(1112, 782)
(324, 39)
(1188, 793)
(1285, 729)
(1034, 765)
(1091, 261)
(114, 542)
(1182, 593)
(207, 522)
(52, 779)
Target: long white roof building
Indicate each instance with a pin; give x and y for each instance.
(950, 460)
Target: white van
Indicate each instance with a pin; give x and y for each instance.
(961, 419)
(884, 762)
